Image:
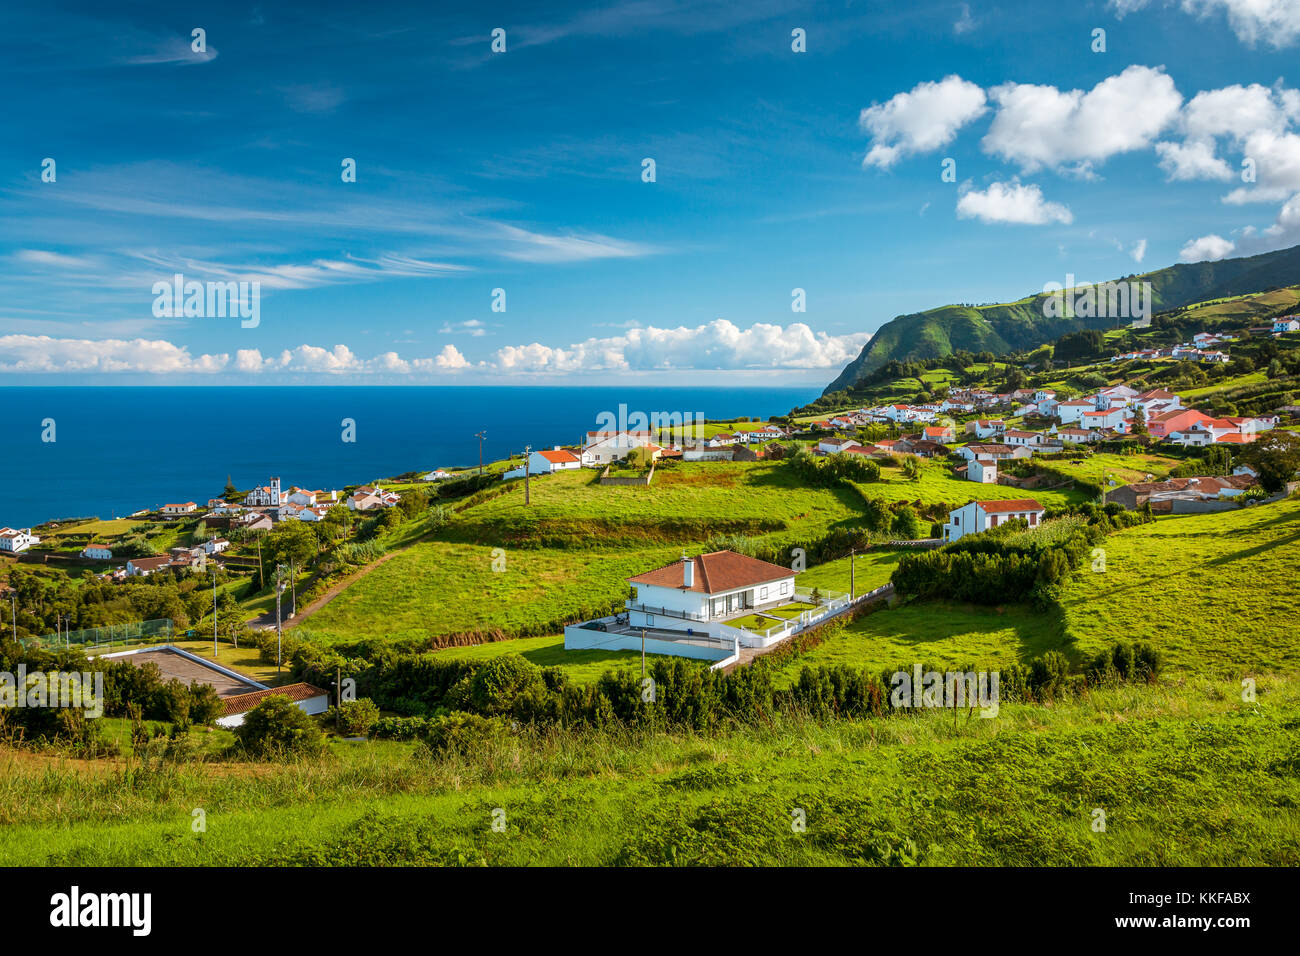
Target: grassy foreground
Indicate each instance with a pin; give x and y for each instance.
(1184, 774)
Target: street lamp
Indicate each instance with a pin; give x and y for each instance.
(214, 614)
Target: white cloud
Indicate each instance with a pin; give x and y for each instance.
(473, 327)
(1276, 158)
(965, 23)
(42, 353)
(921, 120)
(719, 344)
(248, 360)
(1011, 203)
(1139, 250)
(450, 358)
(1038, 126)
(1206, 248)
(1192, 160)
(1277, 21)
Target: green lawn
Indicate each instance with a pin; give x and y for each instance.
(1125, 469)
(441, 587)
(584, 667)
(1217, 593)
(937, 486)
(933, 633)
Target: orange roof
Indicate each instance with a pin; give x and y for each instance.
(243, 703)
(715, 572)
(1012, 504)
(558, 456)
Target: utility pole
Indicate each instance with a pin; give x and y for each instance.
(643, 653)
(480, 436)
(278, 588)
(13, 611)
(527, 451)
(852, 554)
(214, 614)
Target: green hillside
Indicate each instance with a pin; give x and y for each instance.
(1020, 325)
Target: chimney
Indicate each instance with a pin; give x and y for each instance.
(688, 572)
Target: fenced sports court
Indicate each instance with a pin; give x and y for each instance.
(94, 639)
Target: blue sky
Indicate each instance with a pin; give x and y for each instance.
(522, 170)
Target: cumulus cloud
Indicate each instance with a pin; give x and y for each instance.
(1011, 203)
(1275, 21)
(719, 344)
(1139, 250)
(1276, 160)
(42, 353)
(1192, 160)
(1206, 248)
(450, 358)
(923, 119)
(1036, 126)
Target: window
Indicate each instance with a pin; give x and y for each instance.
(649, 619)
(762, 594)
(785, 587)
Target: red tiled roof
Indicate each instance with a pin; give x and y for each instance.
(243, 703)
(1012, 504)
(715, 572)
(559, 456)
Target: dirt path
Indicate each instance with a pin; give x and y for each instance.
(267, 621)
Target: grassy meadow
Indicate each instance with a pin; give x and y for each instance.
(1187, 774)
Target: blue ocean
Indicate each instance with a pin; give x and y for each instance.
(119, 449)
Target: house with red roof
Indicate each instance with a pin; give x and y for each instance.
(977, 516)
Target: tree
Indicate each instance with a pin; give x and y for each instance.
(911, 467)
(906, 524)
(292, 543)
(229, 492)
(1275, 455)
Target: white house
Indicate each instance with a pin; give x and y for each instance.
(184, 508)
(265, 496)
(15, 540)
(1071, 411)
(985, 472)
(707, 588)
(215, 546)
(1014, 437)
(437, 474)
(831, 446)
(1287, 323)
(1104, 418)
(367, 499)
(97, 552)
(986, 452)
(986, 428)
(143, 567)
(980, 516)
(546, 461)
(605, 446)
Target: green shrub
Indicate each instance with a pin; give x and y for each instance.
(355, 718)
(503, 682)
(276, 727)
(462, 733)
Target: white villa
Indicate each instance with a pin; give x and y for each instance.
(985, 472)
(15, 540)
(97, 552)
(708, 607)
(980, 516)
(601, 448)
(546, 461)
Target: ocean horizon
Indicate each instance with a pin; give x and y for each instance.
(118, 449)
